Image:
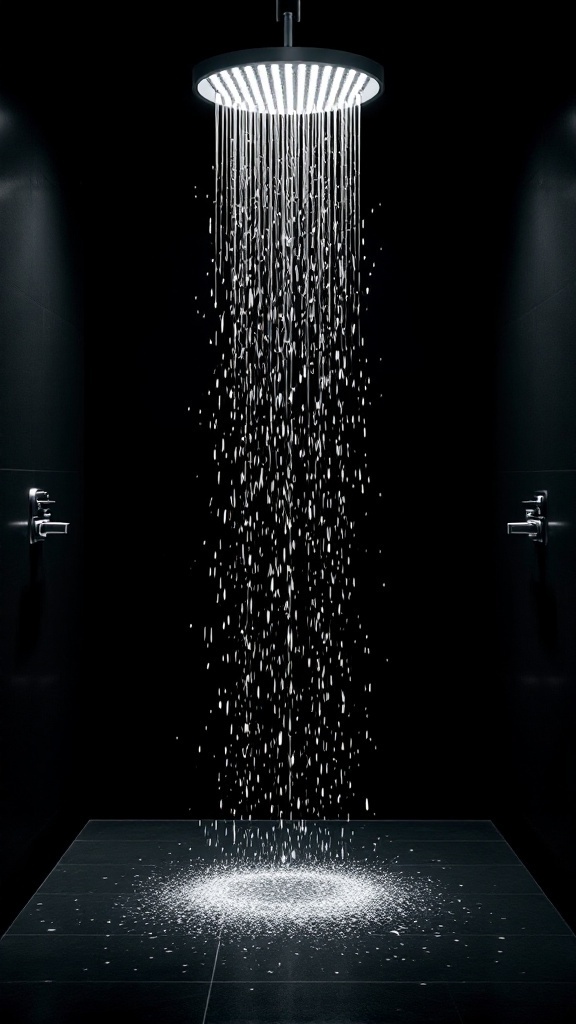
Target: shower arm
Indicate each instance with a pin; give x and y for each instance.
(290, 10)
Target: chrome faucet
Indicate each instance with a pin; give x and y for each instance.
(535, 525)
(40, 523)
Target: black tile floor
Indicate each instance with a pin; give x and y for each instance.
(427, 922)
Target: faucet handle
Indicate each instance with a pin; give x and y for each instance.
(43, 501)
(45, 526)
(529, 528)
(535, 504)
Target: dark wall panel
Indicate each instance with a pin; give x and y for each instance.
(41, 446)
(536, 426)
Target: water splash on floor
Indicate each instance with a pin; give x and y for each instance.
(321, 878)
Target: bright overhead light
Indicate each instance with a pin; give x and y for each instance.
(288, 80)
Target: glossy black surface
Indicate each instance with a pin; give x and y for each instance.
(535, 358)
(476, 941)
(534, 429)
(41, 445)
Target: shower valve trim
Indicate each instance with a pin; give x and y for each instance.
(535, 525)
(40, 522)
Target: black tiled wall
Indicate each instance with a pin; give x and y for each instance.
(535, 431)
(41, 445)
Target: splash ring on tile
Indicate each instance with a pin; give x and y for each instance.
(328, 897)
(287, 894)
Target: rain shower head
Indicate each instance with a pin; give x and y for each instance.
(288, 79)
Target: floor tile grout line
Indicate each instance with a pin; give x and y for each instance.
(361, 860)
(353, 855)
(119, 892)
(212, 978)
(372, 935)
(264, 981)
(456, 892)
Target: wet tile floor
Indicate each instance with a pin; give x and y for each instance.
(327, 922)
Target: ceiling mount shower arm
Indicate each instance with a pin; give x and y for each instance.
(290, 12)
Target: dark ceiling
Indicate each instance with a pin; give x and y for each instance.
(470, 68)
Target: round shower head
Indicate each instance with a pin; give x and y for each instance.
(288, 80)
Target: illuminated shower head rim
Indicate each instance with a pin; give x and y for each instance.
(288, 79)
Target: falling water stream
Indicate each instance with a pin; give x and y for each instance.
(288, 429)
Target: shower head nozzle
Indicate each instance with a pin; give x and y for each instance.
(289, 80)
